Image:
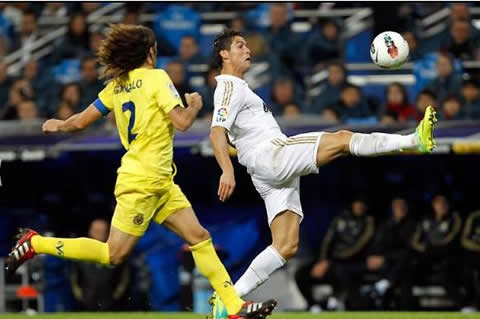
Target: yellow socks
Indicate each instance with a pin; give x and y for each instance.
(211, 267)
(84, 249)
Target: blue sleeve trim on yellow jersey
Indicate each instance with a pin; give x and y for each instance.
(101, 107)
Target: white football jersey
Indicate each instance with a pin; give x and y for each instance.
(243, 113)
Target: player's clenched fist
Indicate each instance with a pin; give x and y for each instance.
(51, 126)
(194, 100)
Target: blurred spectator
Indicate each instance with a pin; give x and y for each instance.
(20, 91)
(175, 22)
(397, 102)
(415, 48)
(341, 261)
(89, 82)
(7, 28)
(460, 42)
(330, 92)
(43, 86)
(14, 12)
(264, 66)
(325, 45)
(459, 12)
(90, 7)
(331, 115)
(388, 118)
(436, 242)
(189, 52)
(54, 9)
(447, 81)
(27, 110)
(352, 106)
(452, 109)
(390, 252)
(98, 287)
(239, 24)
(291, 110)
(425, 98)
(76, 43)
(6, 82)
(64, 110)
(283, 94)
(72, 93)
(207, 93)
(281, 40)
(470, 243)
(471, 98)
(4, 46)
(94, 43)
(176, 71)
(27, 36)
(131, 17)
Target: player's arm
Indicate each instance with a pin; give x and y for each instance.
(183, 118)
(218, 138)
(76, 122)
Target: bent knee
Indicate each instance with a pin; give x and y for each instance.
(197, 236)
(287, 250)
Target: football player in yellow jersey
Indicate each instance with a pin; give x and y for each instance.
(147, 111)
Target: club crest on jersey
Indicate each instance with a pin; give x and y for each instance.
(173, 90)
(222, 114)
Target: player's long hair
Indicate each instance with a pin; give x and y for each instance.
(223, 41)
(125, 48)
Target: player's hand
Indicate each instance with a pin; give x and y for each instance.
(194, 100)
(51, 126)
(226, 186)
(319, 269)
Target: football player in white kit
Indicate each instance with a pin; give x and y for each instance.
(275, 161)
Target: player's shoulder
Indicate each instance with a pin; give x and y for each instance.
(157, 74)
(230, 82)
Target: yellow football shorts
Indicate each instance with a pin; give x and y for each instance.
(138, 202)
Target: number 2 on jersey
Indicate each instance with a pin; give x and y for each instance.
(130, 106)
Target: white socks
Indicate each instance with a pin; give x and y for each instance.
(380, 143)
(259, 271)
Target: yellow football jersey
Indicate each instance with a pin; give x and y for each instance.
(141, 108)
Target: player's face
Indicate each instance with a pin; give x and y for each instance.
(239, 54)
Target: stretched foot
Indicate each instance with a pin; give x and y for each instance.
(424, 131)
(255, 310)
(251, 310)
(22, 251)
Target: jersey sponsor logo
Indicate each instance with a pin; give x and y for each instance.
(222, 114)
(227, 284)
(138, 219)
(173, 90)
(128, 87)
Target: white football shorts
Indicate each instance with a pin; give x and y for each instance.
(276, 169)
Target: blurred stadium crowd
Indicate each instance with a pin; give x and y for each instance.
(284, 61)
(359, 249)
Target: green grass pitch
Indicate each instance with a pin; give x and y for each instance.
(325, 315)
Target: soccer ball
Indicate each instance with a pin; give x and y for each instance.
(389, 50)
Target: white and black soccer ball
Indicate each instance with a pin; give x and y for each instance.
(389, 50)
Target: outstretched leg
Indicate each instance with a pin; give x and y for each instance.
(333, 145)
(30, 243)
